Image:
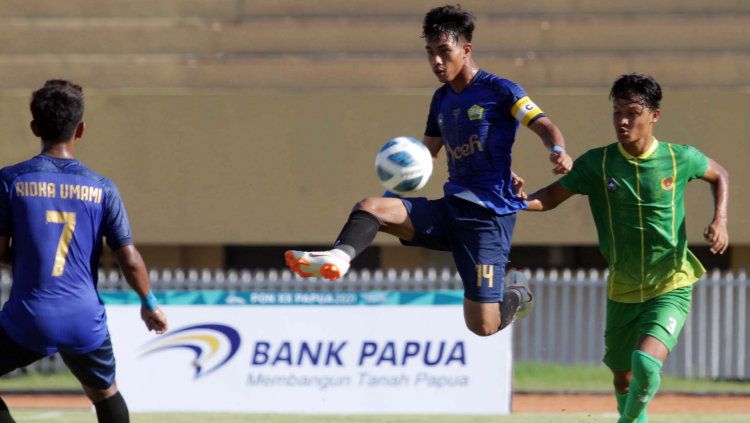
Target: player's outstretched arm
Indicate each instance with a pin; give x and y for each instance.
(548, 197)
(554, 141)
(134, 270)
(716, 232)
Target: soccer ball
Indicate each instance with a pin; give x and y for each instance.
(403, 165)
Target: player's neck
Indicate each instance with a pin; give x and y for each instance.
(639, 147)
(463, 79)
(61, 150)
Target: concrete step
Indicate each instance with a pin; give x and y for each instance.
(238, 9)
(362, 35)
(218, 9)
(357, 72)
(484, 7)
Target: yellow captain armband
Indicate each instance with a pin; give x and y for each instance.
(525, 110)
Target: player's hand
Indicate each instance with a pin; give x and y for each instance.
(517, 183)
(155, 320)
(717, 236)
(562, 161)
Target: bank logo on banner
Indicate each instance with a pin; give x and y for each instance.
(213, 344)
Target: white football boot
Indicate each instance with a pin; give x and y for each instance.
(310, 264)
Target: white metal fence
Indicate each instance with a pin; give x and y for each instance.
(566, 326)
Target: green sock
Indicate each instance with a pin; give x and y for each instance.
(622, 399)
(643, 386)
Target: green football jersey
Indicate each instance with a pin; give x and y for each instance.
(639, 211)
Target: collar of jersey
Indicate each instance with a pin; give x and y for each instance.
(471, 82)
(643, 156)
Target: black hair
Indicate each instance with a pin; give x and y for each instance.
(642, 88)
(57, 109)
(451, 20)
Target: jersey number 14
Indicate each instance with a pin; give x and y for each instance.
(68, 220)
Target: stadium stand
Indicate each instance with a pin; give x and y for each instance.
(327, 44)
(341, 69)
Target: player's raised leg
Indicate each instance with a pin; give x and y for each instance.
(492, 298)
(487, 318)
(368, 216)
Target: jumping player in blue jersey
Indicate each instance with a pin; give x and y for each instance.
(475, 115)
(54, 213)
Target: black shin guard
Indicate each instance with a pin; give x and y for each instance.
(112, 410)
(358, 232)
(509, 307)
(4, 413)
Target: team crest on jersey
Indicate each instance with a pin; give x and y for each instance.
(440, 120)
(667, 183)
(475, 112)
(612, 184)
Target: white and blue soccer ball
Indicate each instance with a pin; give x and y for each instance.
(403, 165)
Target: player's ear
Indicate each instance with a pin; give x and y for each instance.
(467, 49)
(655, 115)
(79, 130)
(32, 125)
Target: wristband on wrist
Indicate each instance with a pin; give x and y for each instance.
(149, 301)
(557, 149)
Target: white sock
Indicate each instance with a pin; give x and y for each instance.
(341, 254)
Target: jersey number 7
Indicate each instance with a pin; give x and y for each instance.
(68, 219)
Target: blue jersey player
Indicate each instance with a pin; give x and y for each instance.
(54, 214)
(475, 115)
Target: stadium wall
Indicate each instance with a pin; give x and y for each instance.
(236, 167)
(251, 125)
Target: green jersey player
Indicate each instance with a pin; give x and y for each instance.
(635, 189)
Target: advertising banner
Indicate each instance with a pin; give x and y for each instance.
(309, 352)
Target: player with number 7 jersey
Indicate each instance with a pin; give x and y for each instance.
(56, 213)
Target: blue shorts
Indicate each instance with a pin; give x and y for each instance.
(95, 369)
(478, 238)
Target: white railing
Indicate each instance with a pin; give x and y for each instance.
(566, 326)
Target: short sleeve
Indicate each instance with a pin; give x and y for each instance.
(432, 128)
(520, 105)
(6, 225)
(116, 226)
(697, 162)
(581, 178)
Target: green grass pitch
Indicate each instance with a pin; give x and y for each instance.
(28, 416)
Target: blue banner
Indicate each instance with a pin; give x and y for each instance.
(292, 298)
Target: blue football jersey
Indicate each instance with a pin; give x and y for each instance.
(478, 127)
(56, 212)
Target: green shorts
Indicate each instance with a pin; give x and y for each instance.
(661, 317)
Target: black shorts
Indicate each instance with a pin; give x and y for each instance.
(95, 369)
(478, 238)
